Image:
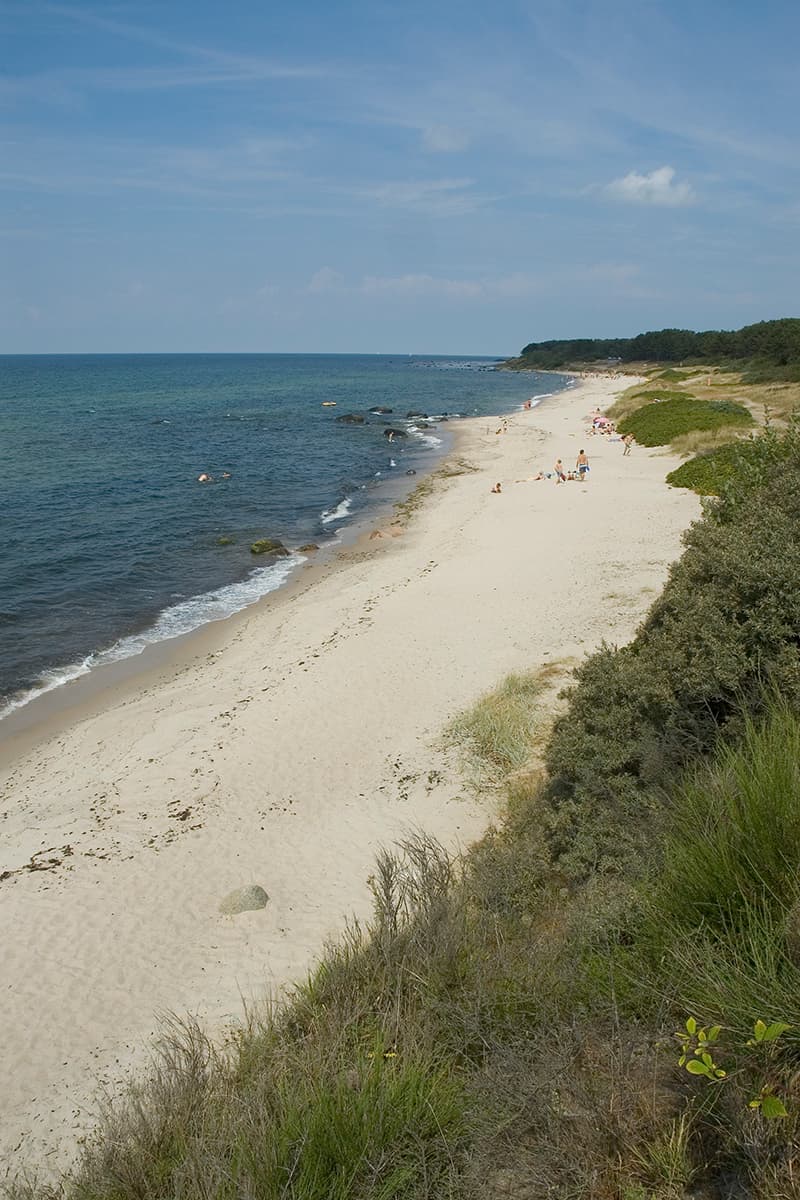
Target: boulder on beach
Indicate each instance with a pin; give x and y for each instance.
(244, 899)
(269, 546)
(351, 419)
(380, 411)
(309, 548)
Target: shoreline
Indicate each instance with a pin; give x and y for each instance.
(286, 746)
(60, 705)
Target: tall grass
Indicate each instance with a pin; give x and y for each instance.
(504, 727)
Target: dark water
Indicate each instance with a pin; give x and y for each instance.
(109, 542)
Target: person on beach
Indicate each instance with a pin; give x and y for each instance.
(582, 465)
(205, 478)
(628, 440)
(497, 489)
(561, 475)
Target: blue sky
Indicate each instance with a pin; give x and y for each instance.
(393, 177)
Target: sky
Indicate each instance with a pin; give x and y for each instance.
(377, 176)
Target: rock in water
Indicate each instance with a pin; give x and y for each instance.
(351, 419)
(244, 899)
(269, 546)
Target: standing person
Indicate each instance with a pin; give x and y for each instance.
(561, 476)
(582, 464)
(628, 440)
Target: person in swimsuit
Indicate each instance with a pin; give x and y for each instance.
(582, 465)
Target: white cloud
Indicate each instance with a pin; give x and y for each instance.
(656, 188)
(444, 139)
(324, 280)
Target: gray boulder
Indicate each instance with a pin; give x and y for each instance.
(244, 899)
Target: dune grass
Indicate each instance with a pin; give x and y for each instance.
(504, 728)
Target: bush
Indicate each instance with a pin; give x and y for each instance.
(674, 376)
(726, 625)
(658, 423)
(708, 473)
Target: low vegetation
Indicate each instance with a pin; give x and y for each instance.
(708, 473)
(534, 1019)
(660, 421)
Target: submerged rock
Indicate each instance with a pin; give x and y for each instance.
(309, 548)
(244, 899)
(225, 541)
(269, 546)
(417, 414)
(351, 419)
(380, 411)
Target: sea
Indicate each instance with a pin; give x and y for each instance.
(108, 541)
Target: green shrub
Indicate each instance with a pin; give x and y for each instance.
(726, 625)
(708, 473)
(658, 423)
(674, 376)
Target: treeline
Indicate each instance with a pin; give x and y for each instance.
(773, 346)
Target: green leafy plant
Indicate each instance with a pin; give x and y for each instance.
(695, 1053)
(696, 1056)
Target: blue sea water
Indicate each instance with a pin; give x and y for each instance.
(109, 542)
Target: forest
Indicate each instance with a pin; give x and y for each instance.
(766, 350)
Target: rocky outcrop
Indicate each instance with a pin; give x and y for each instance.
(269, 546)
(309, 548)
(392, 433)
(351, 419)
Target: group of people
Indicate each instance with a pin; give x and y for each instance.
(580, 474)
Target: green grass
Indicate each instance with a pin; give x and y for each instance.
(656, 424)
(502, 727)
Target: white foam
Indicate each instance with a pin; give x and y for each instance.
(179, 619)
(427, 439)
(337, 514)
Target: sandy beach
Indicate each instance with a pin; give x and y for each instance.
(283, 747)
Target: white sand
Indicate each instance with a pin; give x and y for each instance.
(285, 750)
